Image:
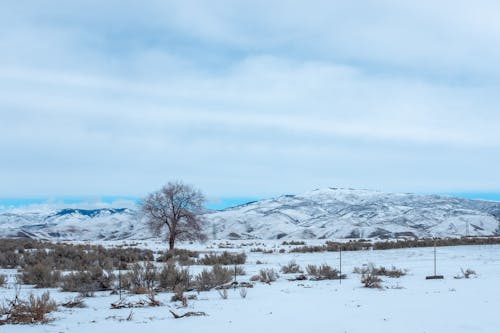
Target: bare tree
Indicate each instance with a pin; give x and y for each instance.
(176, 209)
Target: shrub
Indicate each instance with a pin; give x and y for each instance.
(3, 280)
(172, 278)
(217, 276)
(143, 277)
(308, 249)
(32, 310)
(10, 259)
(243, 292)
(87, 281)
(380, 271)
(293, 243)
(467, 274)
(268, 275)
(223, 293)
(183, 257)
(41, 276)
(76, 302)
(324, 272)
(393, 272)
(238, 270)
(369, 280)
(291, 268)
(225, 258)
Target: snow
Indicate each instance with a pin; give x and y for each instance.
(325, 213)
(408, 304)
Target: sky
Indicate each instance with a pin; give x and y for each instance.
(248, 99)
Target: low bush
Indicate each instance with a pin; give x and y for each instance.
(243, 292)
(3, 280)
(370, 280)
(77, 302)
(268, 275)
(393, 272)
(466, 274)
(215, 277)
(324, 272)
(172, 278)
(183, 257)
(32, 310)
(10, 259)
(291, 268)
(87, 281)
(223, 293)
(225, 258)
(143, 277)
(41, 276)
(293, 243)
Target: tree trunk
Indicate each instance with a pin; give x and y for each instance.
(171, 241)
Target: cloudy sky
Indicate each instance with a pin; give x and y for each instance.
(248, 98)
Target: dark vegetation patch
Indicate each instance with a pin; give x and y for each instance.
(362, 244)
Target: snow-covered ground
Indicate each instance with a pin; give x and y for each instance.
(407, 304)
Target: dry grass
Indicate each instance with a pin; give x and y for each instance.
(32, 310)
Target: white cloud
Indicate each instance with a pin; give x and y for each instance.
(249, 98)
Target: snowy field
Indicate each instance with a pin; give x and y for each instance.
(406, 304)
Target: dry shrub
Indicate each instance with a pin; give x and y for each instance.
(41, 275)
(268, 275)
(369, 280)
(87, 281)
(225, 258)
(324, 272)
(239, 270)
(291, 268)
(183, 257)
(171, 278)
(143, 277)
(255, 278)
(466, 274)
(10, 258)
(243, 292)
(393, 272)
(215, 277)
(32, 310)
(77, 302)
(293, 243)
(223, 293)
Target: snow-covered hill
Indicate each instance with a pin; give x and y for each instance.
(72, 224)
(348, 213)
(325, 213)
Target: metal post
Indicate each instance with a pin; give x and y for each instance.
(120, 280)
(235, 282)
(340, 264)
(435, 257)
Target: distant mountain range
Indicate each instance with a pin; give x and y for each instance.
(319, 214)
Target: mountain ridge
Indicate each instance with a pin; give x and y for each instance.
(327, 213)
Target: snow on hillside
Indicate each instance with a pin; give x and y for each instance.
(347, 213)
(319, 214)
(73, 224)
